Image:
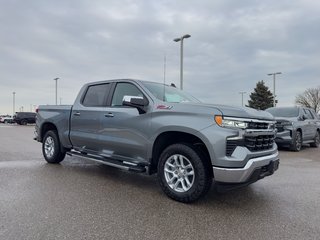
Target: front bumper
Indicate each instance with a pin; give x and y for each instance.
(265, 165)
(285, 137)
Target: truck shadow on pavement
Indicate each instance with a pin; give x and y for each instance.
(142, 187)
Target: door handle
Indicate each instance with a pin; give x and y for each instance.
(76, 114)
(109, 115)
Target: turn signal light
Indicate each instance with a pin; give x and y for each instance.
(218, 119)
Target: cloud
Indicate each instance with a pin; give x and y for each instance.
(234, 44)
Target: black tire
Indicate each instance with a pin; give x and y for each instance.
(201, 180)
(297, 142)
(24, 122)
(51, 149)
(5, 121)
(316, 142)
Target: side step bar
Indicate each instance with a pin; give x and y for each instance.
(110, 162)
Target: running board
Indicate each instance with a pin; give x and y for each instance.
(110, 162)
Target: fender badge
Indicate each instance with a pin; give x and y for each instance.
(166, 107)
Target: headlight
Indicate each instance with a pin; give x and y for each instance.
(230, 123)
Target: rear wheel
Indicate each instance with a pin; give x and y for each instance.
(316, 142)
(297, 142)
(183, 173)
(51, 149)
(24, 122)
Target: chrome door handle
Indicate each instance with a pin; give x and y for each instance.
(109, 115)
(77, 114)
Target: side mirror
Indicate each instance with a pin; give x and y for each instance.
(137, 102)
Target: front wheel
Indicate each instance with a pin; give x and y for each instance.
(316, 142)
(297, 142)
(183, 173)
(51, 149)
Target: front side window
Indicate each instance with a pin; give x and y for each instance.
(124, 89)
(96, 95)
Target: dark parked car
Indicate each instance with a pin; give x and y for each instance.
(296, 125)
(23, 118)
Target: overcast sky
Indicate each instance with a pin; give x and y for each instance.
(233, 45)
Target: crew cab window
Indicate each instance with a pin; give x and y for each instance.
(96, 95)
(124, 89)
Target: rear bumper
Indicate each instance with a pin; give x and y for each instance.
(255, 169)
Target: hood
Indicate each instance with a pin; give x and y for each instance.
(286, 119)
(240, 112)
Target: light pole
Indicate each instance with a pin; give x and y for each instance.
(274, 86)
(242, 93)
(14, 103)
(181, 56)
(56, 79)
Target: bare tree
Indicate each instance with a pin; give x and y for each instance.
(310, 98)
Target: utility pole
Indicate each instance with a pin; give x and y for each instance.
(56, 79)
(242, 93)
(181, 56)
(14, 103)
(274, 86)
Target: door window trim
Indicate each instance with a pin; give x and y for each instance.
(113, 89)
(106, 96)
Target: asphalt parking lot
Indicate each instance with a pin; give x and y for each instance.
(79, 199)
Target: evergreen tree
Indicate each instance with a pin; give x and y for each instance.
(261, 98)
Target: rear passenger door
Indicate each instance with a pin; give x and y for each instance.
(313, 123)
(309, 133)
(86, 118)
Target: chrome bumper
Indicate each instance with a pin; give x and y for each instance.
(241, 175)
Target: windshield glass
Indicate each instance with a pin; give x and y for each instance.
(284, 112)
(168, 93)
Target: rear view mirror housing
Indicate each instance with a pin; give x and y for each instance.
(137, 102)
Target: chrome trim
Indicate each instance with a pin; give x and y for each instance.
(259, 130)
(249, 120)
(238, 175)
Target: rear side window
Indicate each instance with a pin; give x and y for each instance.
(96, 95)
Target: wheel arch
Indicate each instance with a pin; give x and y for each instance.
(47, 126)
(167, 138)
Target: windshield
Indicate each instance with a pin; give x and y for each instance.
(168, 93)
(284, 112)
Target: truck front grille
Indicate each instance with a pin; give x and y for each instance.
(258, 125)
(259, 143)
(279, 127)
(253, 143)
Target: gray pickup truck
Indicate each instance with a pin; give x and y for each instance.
(154, 128)
(296, 126)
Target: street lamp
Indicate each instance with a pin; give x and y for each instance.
(274, 86)
(181, 56)
(242, 93)
(56, 79)
(14, 103)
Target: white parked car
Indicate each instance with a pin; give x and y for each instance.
(6, 119)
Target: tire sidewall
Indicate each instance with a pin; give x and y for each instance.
(55, 156)
(294, 145)
(316, 143)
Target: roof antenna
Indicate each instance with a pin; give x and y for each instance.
(164, 75)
